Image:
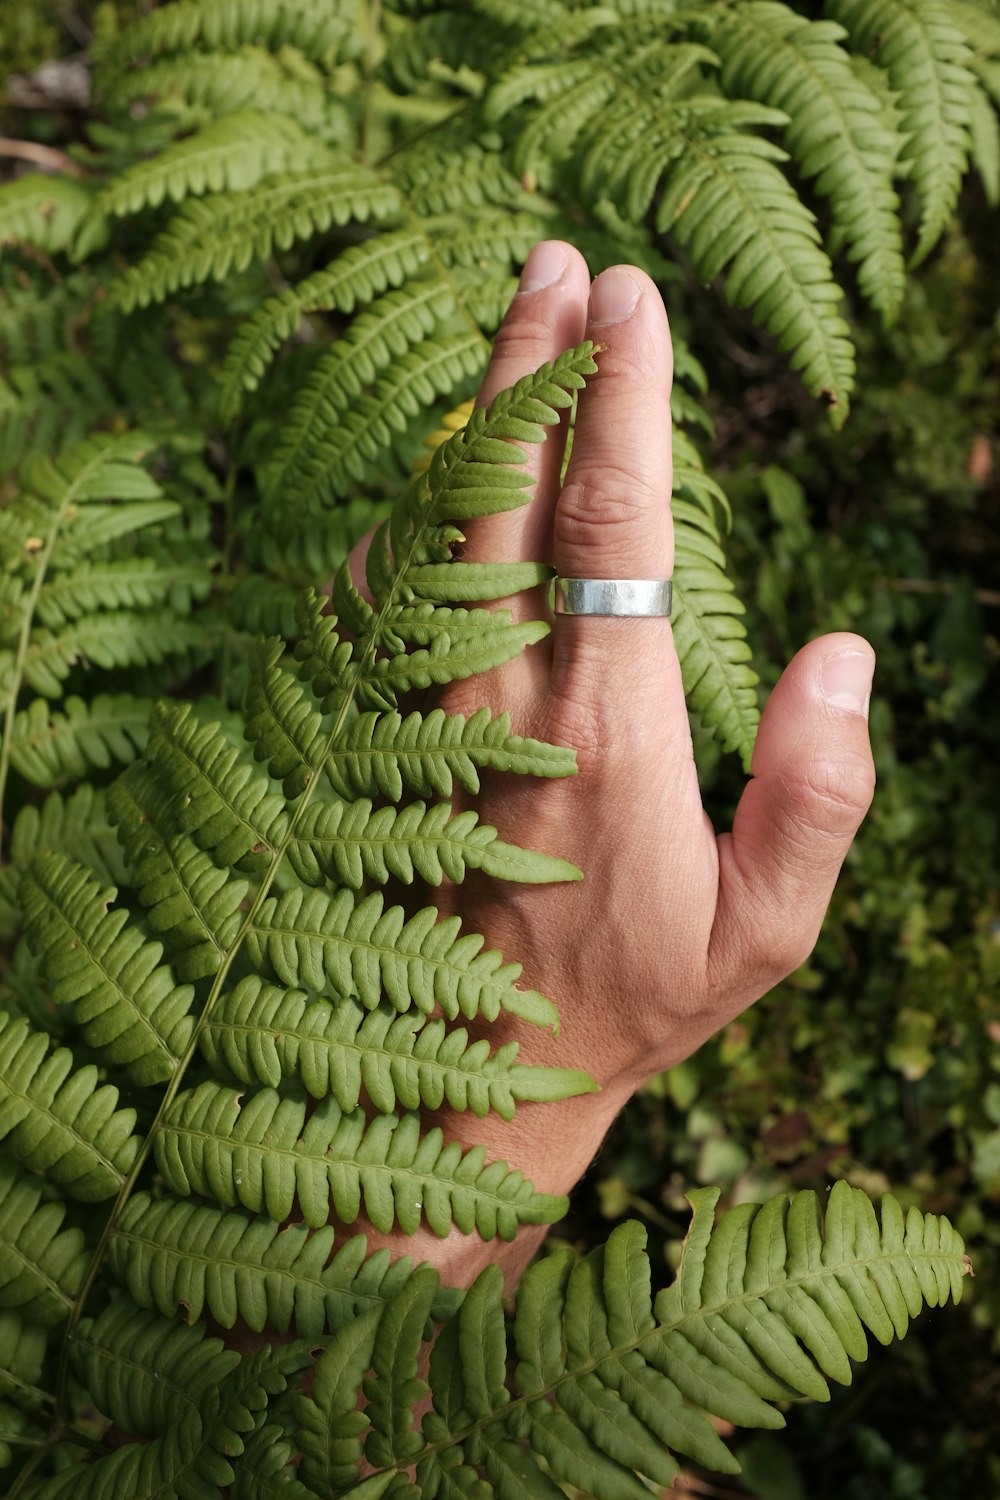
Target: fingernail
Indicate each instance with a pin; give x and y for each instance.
(613, 296)
(544, 265)
(846, 681)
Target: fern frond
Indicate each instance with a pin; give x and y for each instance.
(383, 753)
(22, 1350)
(835, 130)
(231, 154)
(460, 40)
(41, 1264)
(57, 1121)
(77, 825)
(126, 1000)
(122, 638)
(726, 202)
(350, 844)
(42, 211)
(214, 237)
(219, 800)
(261, 1151)
(391, 328)
(317, 28)
(194, 1458)
(220, 83)
(49, 405)
(172, 1253)
(927, 59)
(50, 748)
(193, 903)
(262, 1034)
(117, 584)
(610, 1382)
(320, 942)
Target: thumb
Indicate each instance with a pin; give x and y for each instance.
(813, 780)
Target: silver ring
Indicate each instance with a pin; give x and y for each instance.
(650, 597)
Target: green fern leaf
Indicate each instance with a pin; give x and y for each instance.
(122, 638)
(145, 1372)
(193, 903)
(261, 1034)
(218, 799)
(261, 1151)
(350, 844)
(22, 1350)
(322, 942)
(77, 825)
(927, 59)
(220, 83)
(57, 1121)
(172, 1253)
(43, 211)
(41, 1264)
(50, 748)
(360, 274)
(610, 1383)
(125, 999)
(121, 583)
(232, 153)
(835, 131)
(214, 237)
(317, 28)
(729, 206)
(194, 1459)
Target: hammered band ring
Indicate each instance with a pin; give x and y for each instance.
(625, 597)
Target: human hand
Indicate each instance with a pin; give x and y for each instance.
(673, 931)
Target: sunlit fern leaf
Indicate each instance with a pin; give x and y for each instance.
(218, 83)
(232, 153)
(927, 60)
(611, 1384)
(262, 1034)
(125, 999)
(835, 130)
(57, 1120)
(727, 204)
(324, 943)
(44, 211)
(317, 28)
(352, 844)
(213, 237)
(260, 1150)
(174, 1253)
(191, 901)
(51, 747)
(41, 1264)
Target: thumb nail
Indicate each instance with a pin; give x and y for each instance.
(845, 681)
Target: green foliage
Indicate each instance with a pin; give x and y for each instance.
(286, 243)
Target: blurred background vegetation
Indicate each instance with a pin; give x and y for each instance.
(879, 1061)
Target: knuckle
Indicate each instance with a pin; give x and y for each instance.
(827, 798)
(609, 514)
